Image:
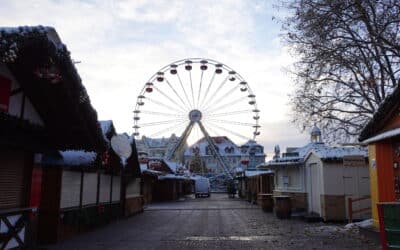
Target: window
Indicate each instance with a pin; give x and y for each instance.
(285, 180)
(208, 150)
(229, 150)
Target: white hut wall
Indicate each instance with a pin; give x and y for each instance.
(290, 180)
(340, 183)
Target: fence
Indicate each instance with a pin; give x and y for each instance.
(350, 202)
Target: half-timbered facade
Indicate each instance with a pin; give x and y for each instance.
(43, 106)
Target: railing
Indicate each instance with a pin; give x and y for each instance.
(15, 231)
(350, 202)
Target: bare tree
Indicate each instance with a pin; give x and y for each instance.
(348, 61)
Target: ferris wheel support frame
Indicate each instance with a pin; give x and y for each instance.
(214, 151)
(179, 145)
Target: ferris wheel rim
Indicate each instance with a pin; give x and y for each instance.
(195, 59)
(207, 61)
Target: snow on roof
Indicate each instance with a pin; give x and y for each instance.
(238, 169)
(295, 160)
(285, 163)
(327, 152)
(23, 30)
(151, 171)
(143, 168)
(382, 136)
(77, 158)
(303, 151)
(196, 177)
(7, 40)
(172, 176)
(251, 143)
(250, 173)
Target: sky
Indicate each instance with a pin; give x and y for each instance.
(121, 44)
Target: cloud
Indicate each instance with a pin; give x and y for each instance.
(282, 133)
(122, 43)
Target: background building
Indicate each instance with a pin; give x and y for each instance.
(249, 155)
(155, 147)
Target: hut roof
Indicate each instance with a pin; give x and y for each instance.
(385, 111)
(46, 73)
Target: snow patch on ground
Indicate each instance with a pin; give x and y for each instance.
(364, 224)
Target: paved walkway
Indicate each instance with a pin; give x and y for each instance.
(214, 223)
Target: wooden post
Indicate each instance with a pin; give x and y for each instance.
(98, 189)
(382, 231)
(350, 209)
(81, 191)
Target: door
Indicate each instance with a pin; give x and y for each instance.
(350, 186)
(313, 175)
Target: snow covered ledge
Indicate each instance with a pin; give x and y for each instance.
(382, 136)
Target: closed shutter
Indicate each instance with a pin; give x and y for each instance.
(116, 188)
(12, 186)
(70, 189)
(89, 195)
(105, 186)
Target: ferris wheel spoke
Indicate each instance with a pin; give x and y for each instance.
(171, 128)
(209, 128)
(229, 131)
(151, 124)
(160, 113)
(163, 105)
(184, 90)
(223, 106)
(176, 93)
(232, 122)
(217, 90)
(172, 100)
(191, 87)
(208, 89)
(211, 115)
(223, 97)
(201, 82)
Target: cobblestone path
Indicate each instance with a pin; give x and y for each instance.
(214, 223)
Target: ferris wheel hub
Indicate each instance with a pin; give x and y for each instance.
(195, 115)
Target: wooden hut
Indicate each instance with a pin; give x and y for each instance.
(43, 106)
(82, 190)
(162, 182)
(255, 182)
(319, 179)
(332, 176)
(382, 134)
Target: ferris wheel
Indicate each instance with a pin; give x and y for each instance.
(196, 98)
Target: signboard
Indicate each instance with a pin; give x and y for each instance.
(5, 89)
(354, 161)
(121, 146)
